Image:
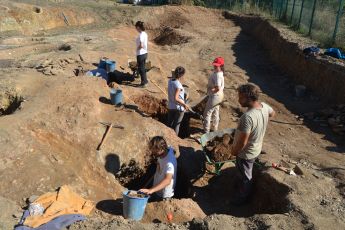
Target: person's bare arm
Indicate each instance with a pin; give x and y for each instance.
(241, 142)
(141, 45)
(179, 100)
(272, 114)
(164, 183)
(215, 89)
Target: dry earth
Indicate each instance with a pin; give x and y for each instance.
(49, 128)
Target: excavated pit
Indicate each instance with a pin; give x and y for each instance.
(169, 36)
(158, 110)
(10, 103)
(134, 177)
(269, 196)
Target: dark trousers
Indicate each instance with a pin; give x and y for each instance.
(175, 118)
(244, 169)
(141, 60)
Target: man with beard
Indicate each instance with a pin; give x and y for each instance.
(249, 137)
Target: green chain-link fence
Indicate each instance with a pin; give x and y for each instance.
(322, 20)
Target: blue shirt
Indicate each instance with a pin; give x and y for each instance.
(173, 85)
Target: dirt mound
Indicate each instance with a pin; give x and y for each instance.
(169, 36)
(219, 149)
(28, 19)
(182, 210)
(154, 107)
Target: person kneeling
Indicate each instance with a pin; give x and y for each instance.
(164, 180)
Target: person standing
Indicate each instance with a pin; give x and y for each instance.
(141, 51)
(215, 88)
(176, 99)
(249, 137)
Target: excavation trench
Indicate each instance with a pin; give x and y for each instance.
(134, 177)
(158, 110)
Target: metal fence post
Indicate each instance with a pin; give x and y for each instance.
(300, 15)
(340, 11)
(281, 9)
(312, 18)
(292, 11)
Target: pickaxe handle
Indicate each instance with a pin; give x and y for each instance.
(105, 136)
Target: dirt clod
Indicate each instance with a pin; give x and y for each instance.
(220, 148)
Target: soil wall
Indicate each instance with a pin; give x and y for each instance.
(319, 74)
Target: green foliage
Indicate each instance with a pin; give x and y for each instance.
(199, 3)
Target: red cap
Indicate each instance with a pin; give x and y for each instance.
(219, 61)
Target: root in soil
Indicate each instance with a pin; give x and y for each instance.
(219, 149)
(169, 36)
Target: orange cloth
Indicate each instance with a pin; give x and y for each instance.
(55, 204)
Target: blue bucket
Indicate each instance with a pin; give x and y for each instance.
(116, 96)
(110, 66)
(134, 207)
(102, 63)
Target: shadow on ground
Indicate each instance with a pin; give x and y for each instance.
(113, 207)
(268, 197)
(253, 58)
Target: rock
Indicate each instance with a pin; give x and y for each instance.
(87, 39)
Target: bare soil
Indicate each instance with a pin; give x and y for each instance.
(51, 138)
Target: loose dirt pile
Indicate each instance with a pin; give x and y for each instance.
(182, 210)
(220, 148)
(154, 107)
(169, 36)
(135, 194)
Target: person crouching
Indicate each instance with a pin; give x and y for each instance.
(164, 180)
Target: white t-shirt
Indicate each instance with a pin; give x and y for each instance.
(216, 79)
(142, 38)
(166, 165)
(173, 85)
